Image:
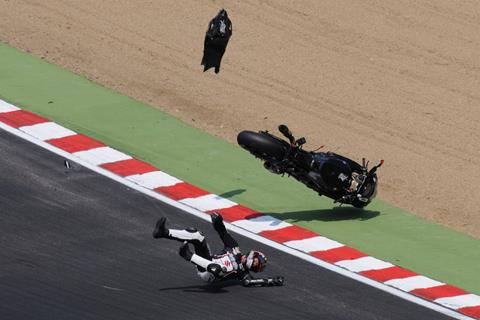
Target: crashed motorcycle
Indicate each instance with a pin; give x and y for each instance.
(327, 173)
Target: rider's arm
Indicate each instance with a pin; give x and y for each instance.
(263, 282)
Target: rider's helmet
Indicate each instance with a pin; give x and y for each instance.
(256, 261)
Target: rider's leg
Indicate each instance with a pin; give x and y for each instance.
(202, 256)
(201, 262)
(189, 234)
(219, 226)
(204, 264)
(195, 237)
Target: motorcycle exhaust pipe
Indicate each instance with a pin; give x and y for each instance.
(268, 165)
(271, 167)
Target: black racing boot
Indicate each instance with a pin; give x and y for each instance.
(217, 221)
(160, 231)
(219, 226)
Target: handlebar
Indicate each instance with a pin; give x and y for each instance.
(287, 133)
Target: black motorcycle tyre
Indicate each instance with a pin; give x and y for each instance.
(370, 194)
(263, 145)
(359, 204)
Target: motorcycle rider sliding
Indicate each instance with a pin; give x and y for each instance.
(231, 264)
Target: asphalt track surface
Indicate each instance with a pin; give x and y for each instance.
(76, 245)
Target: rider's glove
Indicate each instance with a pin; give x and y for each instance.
(278, 281)
(263, 282)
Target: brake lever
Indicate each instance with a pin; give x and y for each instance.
(374, 169)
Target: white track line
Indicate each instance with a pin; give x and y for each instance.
(101, 155)
(457, 302)
(273, 244)
(262, 223)
(7, 107)
(208, 202)
(364, 264)
(318, 243)
(155, 179)
(413, 283)
(47, 131)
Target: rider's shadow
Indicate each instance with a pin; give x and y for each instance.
(218, 287)
(334, 214)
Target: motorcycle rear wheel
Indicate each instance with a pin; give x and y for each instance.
(263, 145)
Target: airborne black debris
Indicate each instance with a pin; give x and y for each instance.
(67, 164)
(216, 39)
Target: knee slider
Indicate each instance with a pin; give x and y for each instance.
(196, 235)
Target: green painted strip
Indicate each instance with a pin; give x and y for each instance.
(382, 231)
